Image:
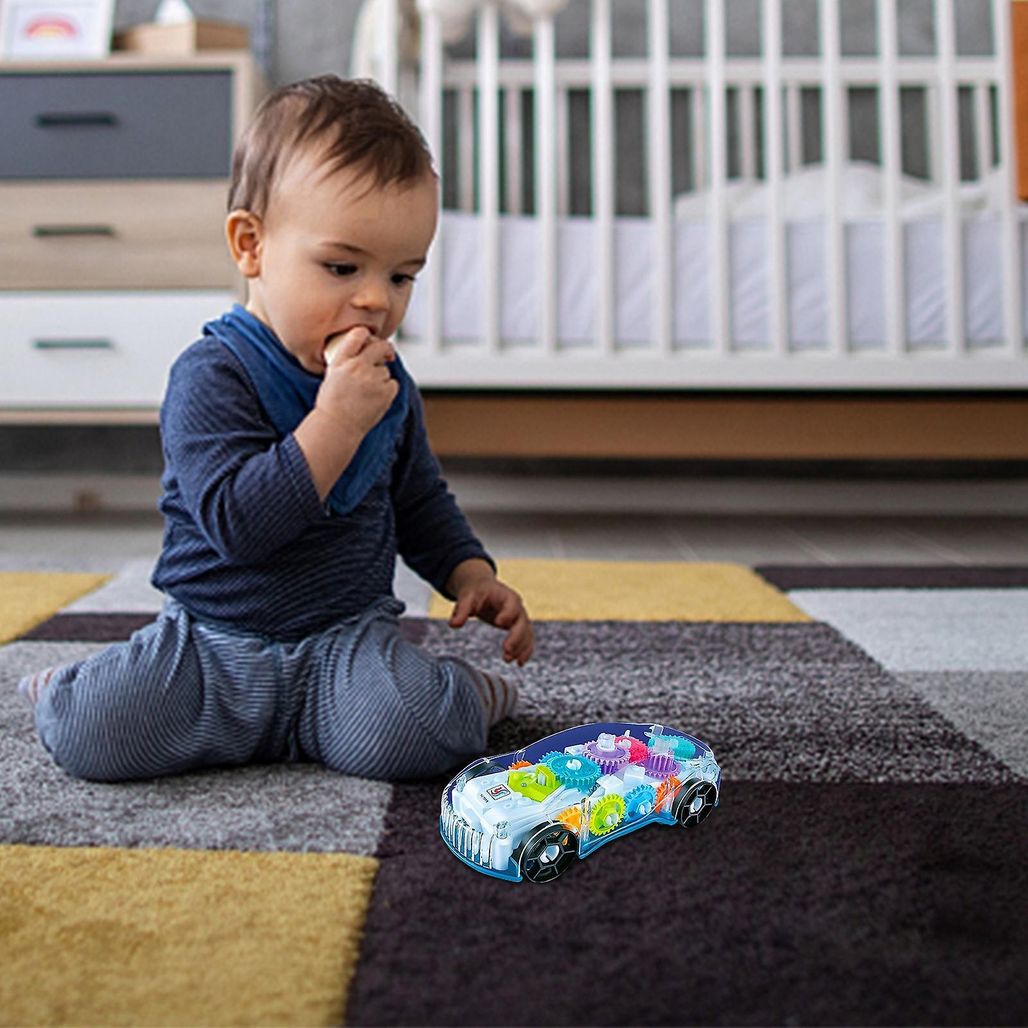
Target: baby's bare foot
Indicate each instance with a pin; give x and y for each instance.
(499, 695)
(32, 686)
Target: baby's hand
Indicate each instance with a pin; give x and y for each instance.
(487, 598)
(358, 388)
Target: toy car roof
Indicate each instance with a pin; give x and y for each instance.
(581, 734)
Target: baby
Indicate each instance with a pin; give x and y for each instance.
(297, 467)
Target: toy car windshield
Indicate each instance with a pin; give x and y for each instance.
(530, 813)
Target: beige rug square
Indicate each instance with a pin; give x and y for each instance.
(28, 597)
(178, 937)
(574, 590)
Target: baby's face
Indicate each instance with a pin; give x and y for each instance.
(337, 251)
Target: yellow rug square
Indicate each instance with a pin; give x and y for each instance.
(572, 590)
(176, 937)
(29, 597)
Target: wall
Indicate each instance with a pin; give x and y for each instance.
(313, 36)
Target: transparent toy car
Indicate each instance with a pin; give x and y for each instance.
(530, 813)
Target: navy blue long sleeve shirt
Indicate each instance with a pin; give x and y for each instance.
(247, 542)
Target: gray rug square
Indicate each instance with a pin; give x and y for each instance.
(300, 807)
(990, 707)
(928, 629)
(777, 702)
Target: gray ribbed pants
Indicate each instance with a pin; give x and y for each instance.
(181, 694)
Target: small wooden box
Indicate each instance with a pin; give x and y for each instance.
(184, 39)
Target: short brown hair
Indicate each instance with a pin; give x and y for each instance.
(361, 125)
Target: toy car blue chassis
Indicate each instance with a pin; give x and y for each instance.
(529, 814)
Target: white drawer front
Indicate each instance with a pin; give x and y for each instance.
(96, 349)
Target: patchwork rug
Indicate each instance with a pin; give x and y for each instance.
(866, 865)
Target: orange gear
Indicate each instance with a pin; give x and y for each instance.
(667, 790)
(571, 818)
(519, 764)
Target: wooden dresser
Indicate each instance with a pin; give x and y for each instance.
(113, 179)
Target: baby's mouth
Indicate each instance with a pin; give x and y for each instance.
(335, 341)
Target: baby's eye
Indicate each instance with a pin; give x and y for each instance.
(402, 280)
(341, 270)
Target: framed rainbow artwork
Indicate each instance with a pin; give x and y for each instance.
(52, 31)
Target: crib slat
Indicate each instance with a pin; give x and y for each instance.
(562, 115)
(388, 46)
(489, 169)
(545, 183)
(698, 137)
(513, 149)
(836, 149)
(748, 126)
(603, 174)
(1013, 317)
(432, 127)
(717, 222)
(945, 35)
(466, 148)
(794, 108)
(777, 280)
(659, 108)
(982, 130)
(889, 114)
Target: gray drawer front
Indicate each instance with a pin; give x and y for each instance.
(116, 125)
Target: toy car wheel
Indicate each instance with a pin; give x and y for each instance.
(694, 802)
(547, 853)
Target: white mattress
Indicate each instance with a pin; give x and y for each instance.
(461, 247)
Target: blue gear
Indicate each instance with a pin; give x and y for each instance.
(638, 798)
(581, 777)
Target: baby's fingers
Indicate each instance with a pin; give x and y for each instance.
(520, 642)
(462, 610)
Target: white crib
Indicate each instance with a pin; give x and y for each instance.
(768, 248)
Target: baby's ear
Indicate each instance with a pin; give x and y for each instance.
(243, 232)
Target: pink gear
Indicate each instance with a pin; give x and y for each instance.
(638, 750)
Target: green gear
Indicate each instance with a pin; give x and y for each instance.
(607, 814)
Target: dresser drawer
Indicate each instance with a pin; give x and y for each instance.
(130, 235)
(96, 349)
(128, 124)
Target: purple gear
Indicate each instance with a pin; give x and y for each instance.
(661, 765)
(611, 757)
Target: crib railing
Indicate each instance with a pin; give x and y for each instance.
(542, 137)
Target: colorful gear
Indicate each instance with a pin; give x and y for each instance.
(638, 750)
(518, 764)
(571, 818)
(642, 800)
(667, 790)
(610, 758)
(684, 750)
(661, 765)
(607, 814)
(573, 770)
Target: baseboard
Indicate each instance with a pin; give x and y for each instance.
(729, 426)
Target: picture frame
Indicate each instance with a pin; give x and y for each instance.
(42, 30)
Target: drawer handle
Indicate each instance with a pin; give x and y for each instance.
(73, 344)
(77, 119)
(62, 231)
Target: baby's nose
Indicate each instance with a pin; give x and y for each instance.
(372, 295)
